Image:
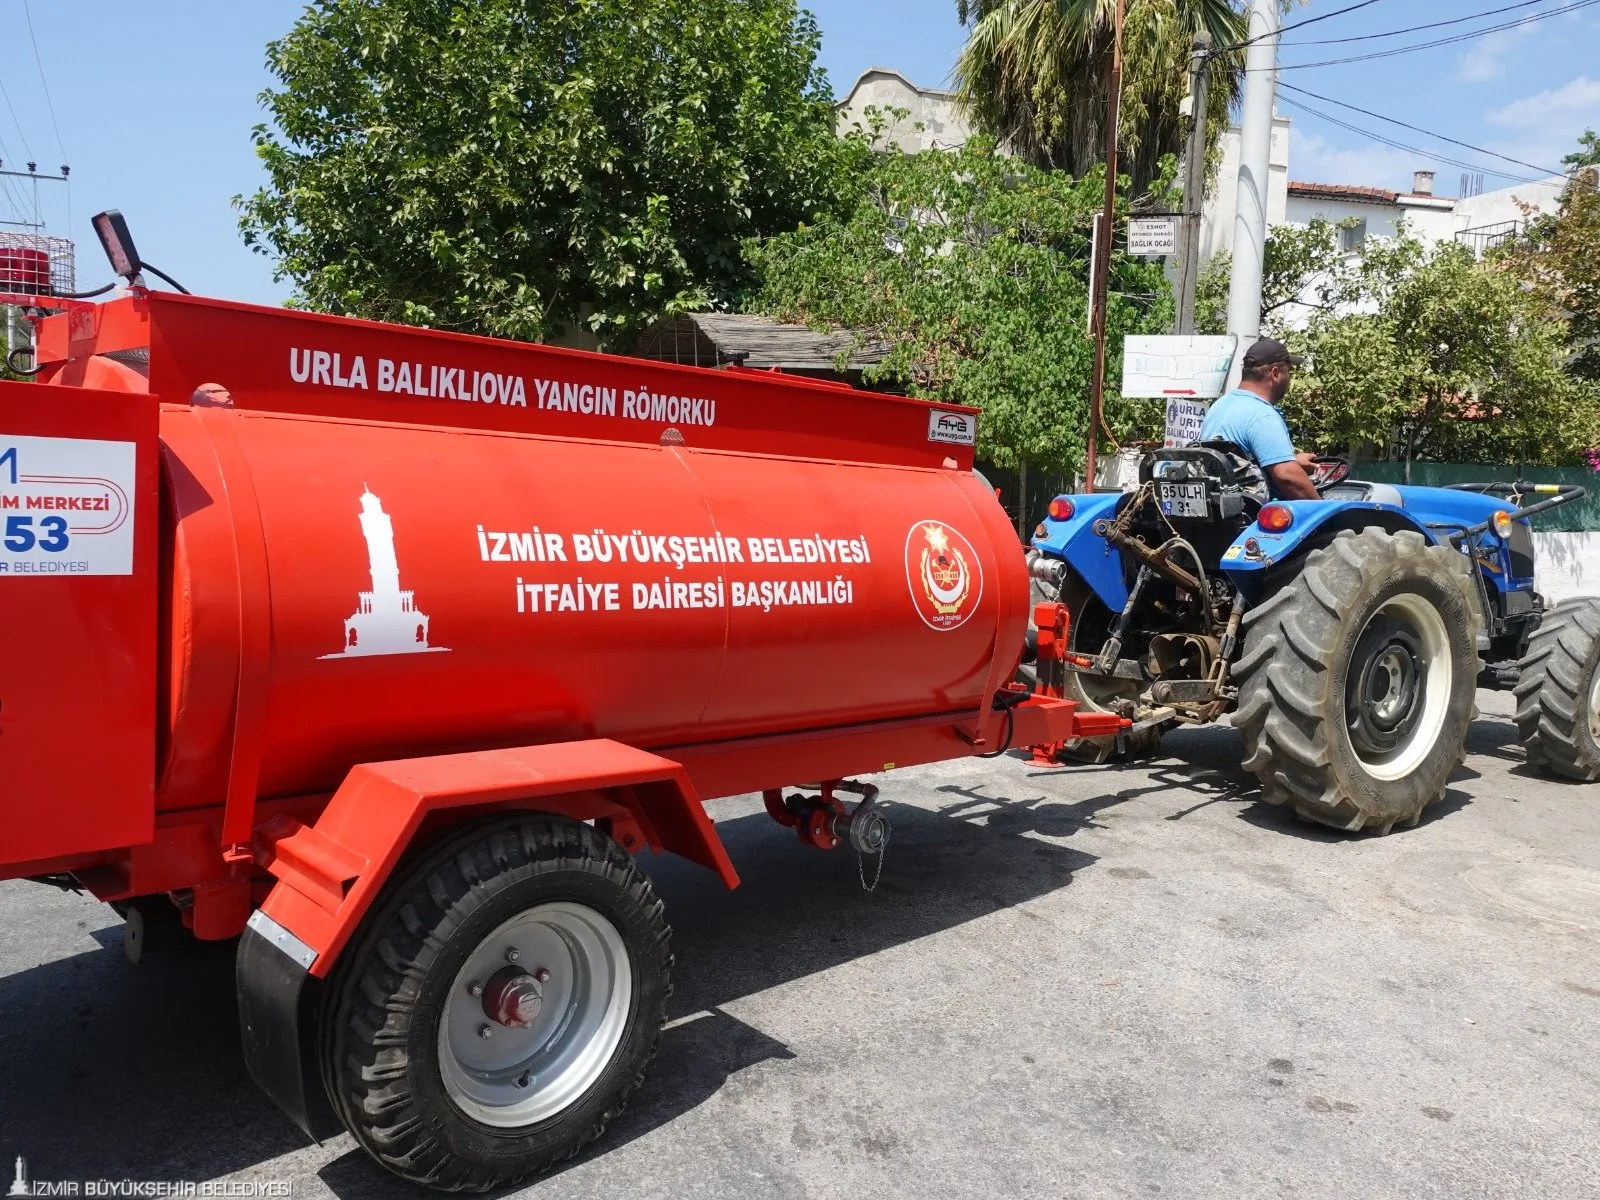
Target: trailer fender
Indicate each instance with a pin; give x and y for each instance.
(330, 873)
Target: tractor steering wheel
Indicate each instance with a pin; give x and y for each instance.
(1328, 471)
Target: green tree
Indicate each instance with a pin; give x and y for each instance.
(1588, 152)
(1303, 270)
(1454, 361)
(972, 270)
(516, 167)
(1036, 75)
(1558, 258)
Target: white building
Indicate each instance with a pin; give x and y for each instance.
(933, 120)
(1479, 221)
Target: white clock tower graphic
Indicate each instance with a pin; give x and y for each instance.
(386, 620)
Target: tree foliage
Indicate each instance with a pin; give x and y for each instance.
(1303, 271)
(1558, 258)
(514, 167)
(1036, 75)
(1455, 361)
(1588, 152)
(1416, 351)
(971, 268)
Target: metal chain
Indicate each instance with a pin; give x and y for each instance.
(861, 869)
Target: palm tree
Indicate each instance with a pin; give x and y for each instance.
(1035, 74)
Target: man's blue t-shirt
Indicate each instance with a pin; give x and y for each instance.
(1252, 424)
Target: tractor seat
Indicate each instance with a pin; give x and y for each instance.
(1366, 493)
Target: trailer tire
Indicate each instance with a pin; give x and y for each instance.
(1357, 680)
(1558, 692)
(509, 897)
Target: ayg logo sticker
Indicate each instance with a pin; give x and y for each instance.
(944, 575)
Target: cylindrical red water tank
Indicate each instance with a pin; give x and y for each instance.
(401, 590)
(24, 270)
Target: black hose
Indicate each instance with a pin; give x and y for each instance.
(1011, 730)
(11, 364)
(160, 274)
(99, 291)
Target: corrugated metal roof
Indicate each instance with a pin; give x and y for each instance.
(1342, 191)
(707, 339)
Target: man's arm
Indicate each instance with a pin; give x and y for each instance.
(1287, 472)
(1289, 481)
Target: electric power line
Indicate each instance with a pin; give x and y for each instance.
(1446, 41)
(1370, 37)
(1338, 12)
(43, 82)
(1418, 129)
(6, 96)
(1390, 142)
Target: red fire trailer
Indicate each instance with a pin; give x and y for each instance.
(387, 648)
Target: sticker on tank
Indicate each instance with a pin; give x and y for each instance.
(387, 620)
(943, 574)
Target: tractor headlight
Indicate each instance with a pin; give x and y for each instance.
(1502, 523)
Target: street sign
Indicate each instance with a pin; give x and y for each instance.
(1186, 367)
(1184, 419)
(1152, 237)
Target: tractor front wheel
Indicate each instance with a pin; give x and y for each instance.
(1558, 692)
(1357, 680)
(499, 1005)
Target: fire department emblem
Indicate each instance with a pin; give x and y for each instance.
(943, 572)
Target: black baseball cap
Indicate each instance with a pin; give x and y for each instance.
(1269, 351)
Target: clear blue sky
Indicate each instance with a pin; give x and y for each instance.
(155, 101)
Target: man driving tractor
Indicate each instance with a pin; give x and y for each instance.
(1248, 418)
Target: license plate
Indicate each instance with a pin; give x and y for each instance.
(1183, 499)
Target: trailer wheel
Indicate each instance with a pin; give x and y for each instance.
(1357, 680)
(499, 1005)
(1558, 692)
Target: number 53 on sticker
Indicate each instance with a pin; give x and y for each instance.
(50, 535)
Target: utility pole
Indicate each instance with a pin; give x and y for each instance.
(1101, 276)
(1194, 179)
(1255, 164)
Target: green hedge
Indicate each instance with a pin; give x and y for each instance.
(1582, 516)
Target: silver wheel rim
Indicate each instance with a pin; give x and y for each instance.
(1594, 705)
(576, 961)
(1426, 622)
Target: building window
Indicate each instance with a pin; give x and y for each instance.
(1351, 236)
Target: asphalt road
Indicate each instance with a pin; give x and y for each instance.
(1095, 982)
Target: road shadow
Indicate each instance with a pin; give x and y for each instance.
(123, 1072)
(1206, 759)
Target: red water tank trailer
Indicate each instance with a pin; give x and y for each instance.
(386, 648)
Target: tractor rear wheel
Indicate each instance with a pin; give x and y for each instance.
(1357, 680)
(1558, 692)
(499, 1005)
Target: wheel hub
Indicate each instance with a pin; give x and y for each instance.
(1385, 686)
(513, 997)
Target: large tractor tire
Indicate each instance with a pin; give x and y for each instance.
(499, 1005)
(1558, 692)
(1090, 626)
(1357, 680)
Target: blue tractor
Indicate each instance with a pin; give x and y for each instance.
(1346, 635)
